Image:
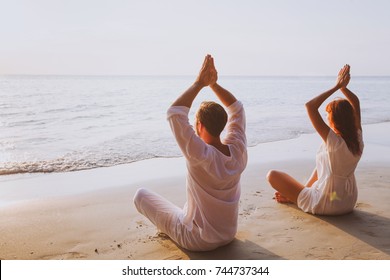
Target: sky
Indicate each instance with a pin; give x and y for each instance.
(171, 37)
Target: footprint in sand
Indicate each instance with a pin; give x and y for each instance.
(362, 205)
(258, 193)
(140, 224)
(296, 228)
(114, 247)
(298, 218)
(249, 210)
(72, 256)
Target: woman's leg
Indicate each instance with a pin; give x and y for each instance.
(286, 186)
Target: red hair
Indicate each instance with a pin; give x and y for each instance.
(344, 123)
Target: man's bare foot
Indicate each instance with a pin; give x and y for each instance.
(281, 199)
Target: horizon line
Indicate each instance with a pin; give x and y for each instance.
(181, 75)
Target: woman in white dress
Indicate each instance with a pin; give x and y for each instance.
(331, 189)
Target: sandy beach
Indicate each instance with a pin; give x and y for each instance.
(90, 214)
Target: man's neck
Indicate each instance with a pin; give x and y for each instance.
(216, 142)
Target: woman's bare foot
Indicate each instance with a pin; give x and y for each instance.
(281, 199)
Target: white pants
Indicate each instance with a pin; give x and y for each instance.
(167, 218)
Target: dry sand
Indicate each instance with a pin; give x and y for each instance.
(90, 214)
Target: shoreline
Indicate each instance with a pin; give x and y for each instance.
(20, 175)
(90, 215)
(16, 170)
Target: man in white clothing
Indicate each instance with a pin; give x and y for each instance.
(209, 217)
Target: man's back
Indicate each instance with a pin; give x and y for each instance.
(213, 189)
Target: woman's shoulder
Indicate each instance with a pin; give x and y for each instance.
(334, 141)
(333, 137)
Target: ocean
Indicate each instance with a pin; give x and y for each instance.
(70, 123)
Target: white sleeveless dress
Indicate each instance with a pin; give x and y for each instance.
(335, 192)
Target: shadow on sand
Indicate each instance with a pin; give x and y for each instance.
(367, 227)
(236, 250)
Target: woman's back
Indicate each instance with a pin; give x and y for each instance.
(335, 190)
(343, 161)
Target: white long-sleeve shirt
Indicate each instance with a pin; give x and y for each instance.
(213, 179)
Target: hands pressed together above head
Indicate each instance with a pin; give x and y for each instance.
(208, 75)
(343, 77)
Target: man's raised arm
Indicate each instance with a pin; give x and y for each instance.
(226, 97)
